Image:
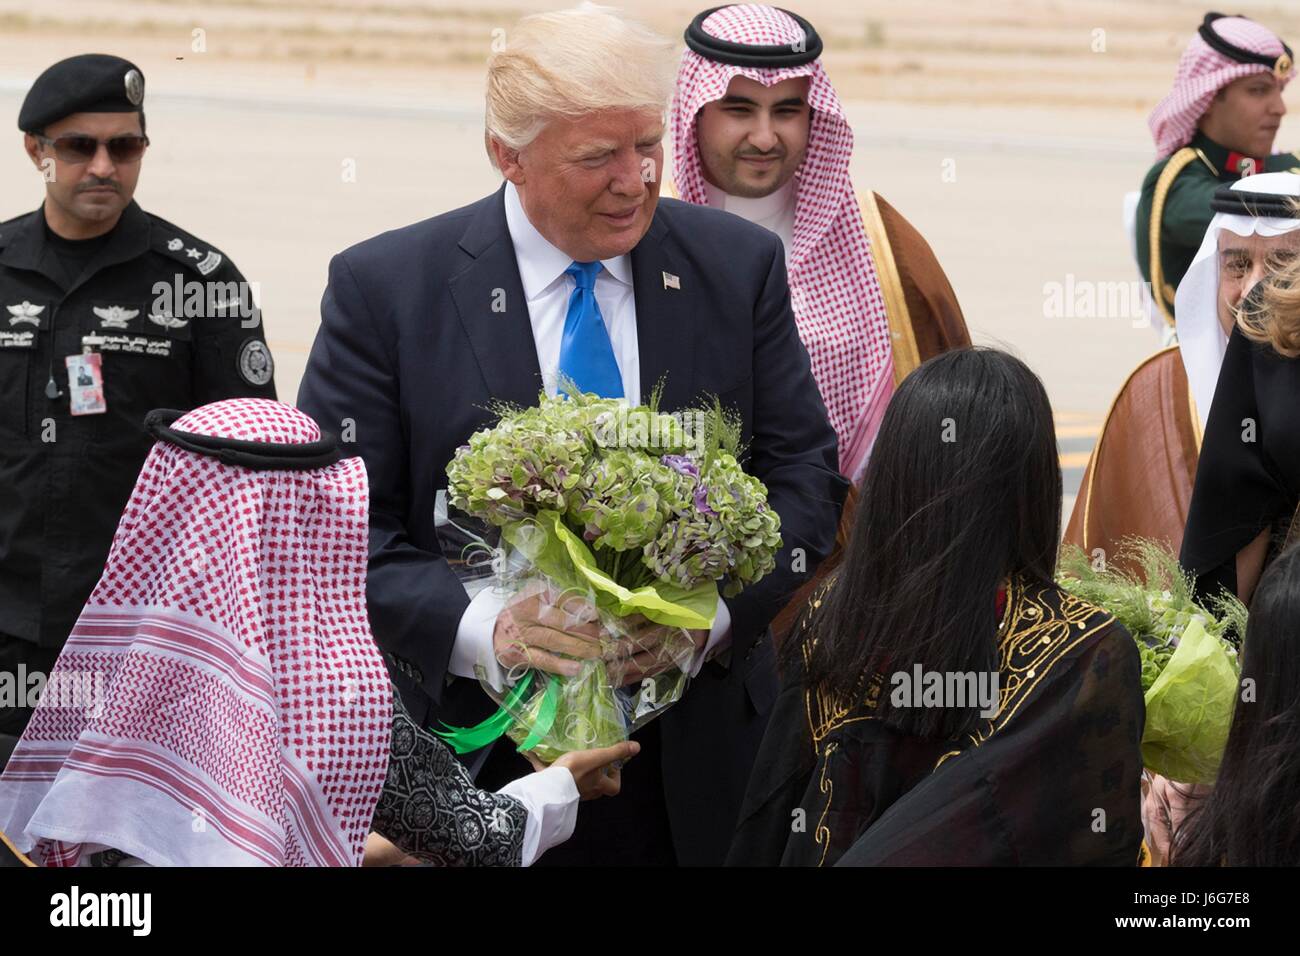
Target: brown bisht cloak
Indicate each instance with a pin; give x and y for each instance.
(1139, 480)
(924, 316)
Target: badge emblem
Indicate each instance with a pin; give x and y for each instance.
(115, 317)
(1282, 66)
(174, 245)
(25, 312)
(168, 321)
(209, 263)
(671, 281)
(193, 253)
(255, 363)
(134, 82)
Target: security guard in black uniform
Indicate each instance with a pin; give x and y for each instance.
(106, 312)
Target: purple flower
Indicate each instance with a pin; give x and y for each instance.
(702, 501)
(681, 464)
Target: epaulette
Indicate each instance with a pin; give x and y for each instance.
(1161, 291)
(188, 250)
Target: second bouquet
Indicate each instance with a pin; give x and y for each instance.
(619, 526)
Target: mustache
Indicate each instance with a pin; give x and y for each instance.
(93, 182)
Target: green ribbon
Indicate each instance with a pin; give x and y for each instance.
(545, 715)
(463, 740)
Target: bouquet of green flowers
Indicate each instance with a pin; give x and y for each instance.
(620, 515)
(1190, 671)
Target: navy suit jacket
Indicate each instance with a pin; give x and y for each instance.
(423, 326)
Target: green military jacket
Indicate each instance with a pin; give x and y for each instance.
(1195, 172)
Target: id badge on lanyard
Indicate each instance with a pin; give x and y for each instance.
(86, 380)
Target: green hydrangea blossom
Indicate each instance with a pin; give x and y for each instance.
(655, 499)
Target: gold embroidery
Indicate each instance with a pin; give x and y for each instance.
(950, 753)
(822, 835)
(1036, 641)
(826, 712)
(1034, 638)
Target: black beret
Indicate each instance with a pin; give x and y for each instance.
(90, 83)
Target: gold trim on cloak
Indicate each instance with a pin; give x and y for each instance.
(1105, 422)
(902, 336)
(1196, 419)
(1034, 639)
(26, 860)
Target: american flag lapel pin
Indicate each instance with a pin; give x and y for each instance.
(671, 281)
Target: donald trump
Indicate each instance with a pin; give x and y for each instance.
(575, 266)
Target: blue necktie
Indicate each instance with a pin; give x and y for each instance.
(586, 355)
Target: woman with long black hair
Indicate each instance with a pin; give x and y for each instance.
(944, 702)
(1252, 815)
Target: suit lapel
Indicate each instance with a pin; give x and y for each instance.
(493, 311)
(503, 343)
(666, 317)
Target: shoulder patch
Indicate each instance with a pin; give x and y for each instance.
(256, 367)
(184, 248)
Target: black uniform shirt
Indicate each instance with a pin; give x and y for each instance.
(71, 256)
(175, 328)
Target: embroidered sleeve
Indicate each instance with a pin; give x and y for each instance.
(431, 809)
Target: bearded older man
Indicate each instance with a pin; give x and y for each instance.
(576, 267)
(1139, 480)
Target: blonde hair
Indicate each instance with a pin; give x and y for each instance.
(572, 62)
(1276, 320)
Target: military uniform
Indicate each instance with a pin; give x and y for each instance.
(65, 477)
(1181, 188)
(94, 334)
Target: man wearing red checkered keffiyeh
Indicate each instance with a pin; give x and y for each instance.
(221, 700)
(758, 131)
(1215, 126)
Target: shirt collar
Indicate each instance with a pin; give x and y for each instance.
(24, 244)
(758, 210)
(540, 262)
(1227, 164)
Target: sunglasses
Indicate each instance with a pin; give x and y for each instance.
(78, 149)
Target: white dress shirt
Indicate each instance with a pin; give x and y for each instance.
(774, 212)
(547, 290)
